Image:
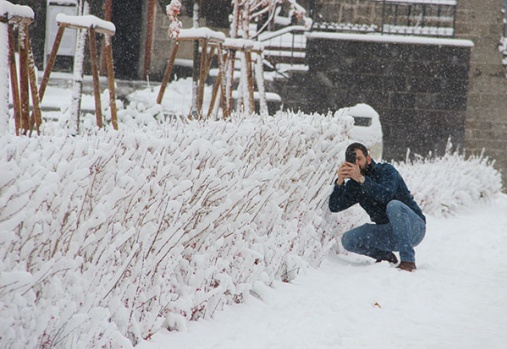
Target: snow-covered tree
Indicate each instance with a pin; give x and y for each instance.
(246, 12)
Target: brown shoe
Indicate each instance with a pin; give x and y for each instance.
(407, 266)
(391, 259)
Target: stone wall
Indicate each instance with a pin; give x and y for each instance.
(418, 86)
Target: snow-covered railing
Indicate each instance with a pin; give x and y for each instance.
(287, 45)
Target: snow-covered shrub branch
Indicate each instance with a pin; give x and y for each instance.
(108, 237)
(443, 186)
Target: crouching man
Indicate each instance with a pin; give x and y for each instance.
(382, 193)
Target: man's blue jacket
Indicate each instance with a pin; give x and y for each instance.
(382, 184)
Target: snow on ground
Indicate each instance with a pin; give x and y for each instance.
(456, 298)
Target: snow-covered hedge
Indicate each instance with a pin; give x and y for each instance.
(106, 238)
(443, 186)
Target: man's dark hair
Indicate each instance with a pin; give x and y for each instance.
(352, 147)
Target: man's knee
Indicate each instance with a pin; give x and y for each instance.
(395, 205)
(347, 241)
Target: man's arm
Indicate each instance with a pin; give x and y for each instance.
(341, 198)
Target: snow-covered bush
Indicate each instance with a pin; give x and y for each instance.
(107, 237)
(443, 186)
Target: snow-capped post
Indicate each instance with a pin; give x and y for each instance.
(35, 117)
(195, 68)
(4, 73)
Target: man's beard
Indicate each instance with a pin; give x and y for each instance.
(365, 170)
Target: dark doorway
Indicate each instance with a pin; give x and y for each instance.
(127, 17)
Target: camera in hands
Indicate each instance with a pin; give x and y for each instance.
(350, 156)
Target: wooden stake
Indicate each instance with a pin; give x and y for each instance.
(35, 117)
(249, 80)
(202, 77)
(23, 77)
(167, 74)
(214, 95)
(51, 61)
(221, 72)
(230, 83)
(95, 74)
(110, 80)
(14, 81)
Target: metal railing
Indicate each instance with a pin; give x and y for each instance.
(286, 45)
(434, 18)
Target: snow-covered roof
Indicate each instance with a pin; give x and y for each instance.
(201, 33)
(15, 12)
(88, 21)
(420, 40)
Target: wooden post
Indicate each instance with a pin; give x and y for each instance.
(14, 81)
(95, 74)
(110, 80)
(249, 80)
(219, 84)
(108, 15)
(23, 77)
(51, 61)
(35, 117)
(221, 71)
(230, 82)
(167, 74)
(214, 94)
(259, 78)
(149, 38)
(210, 59)
(202, 77)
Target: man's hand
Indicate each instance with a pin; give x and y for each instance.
(349, 170)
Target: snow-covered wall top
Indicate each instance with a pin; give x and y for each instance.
(390, 39)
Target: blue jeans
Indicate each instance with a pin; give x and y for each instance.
(404, 231)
